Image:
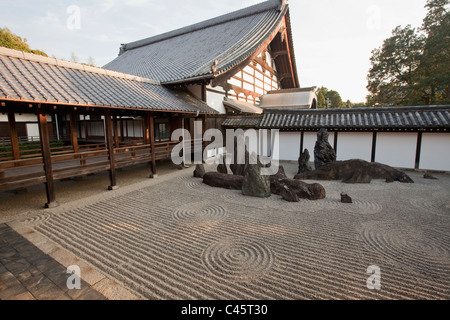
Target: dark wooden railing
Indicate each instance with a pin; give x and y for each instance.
(90, 159)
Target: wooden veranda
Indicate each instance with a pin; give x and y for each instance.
(81, 156)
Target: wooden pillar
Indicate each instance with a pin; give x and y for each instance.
(302, 141)
(418, 150)
(335, 142)
(47, 160)
(204, 128)
(152, 142)
(73, 133)
(13, 135)
(374, 146)
(204, 96)
(146, 129)
(122, 133)
(74, 136)
(116, 132)
(110, 147)
(86, 129)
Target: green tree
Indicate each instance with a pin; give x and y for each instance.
(13, 41)
(331, 97)
(322, 97)
(335, 99)
(412, 67)
(434, 70)
(393, 76)
(359, 105)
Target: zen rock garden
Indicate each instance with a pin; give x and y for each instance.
(247, 177)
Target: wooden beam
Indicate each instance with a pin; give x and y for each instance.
(276, 54)
(110, 147)
(289, 54)
(13, 135)
(47, 160)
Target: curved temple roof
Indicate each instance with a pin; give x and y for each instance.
(205, 50)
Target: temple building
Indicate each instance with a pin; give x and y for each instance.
(239, 56)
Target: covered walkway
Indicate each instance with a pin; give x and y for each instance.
(88, 108)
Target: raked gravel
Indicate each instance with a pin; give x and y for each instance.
(175, 238)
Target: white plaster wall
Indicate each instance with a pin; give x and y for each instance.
(309, 142)
(96, 128)
(138, 129)
(290, 145)
(81, 131)
(33, 131)
(24, 117)
(435, 152)
(354, 145)
(396, 149)
(215, 101)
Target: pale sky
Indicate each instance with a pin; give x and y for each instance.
(333, 39)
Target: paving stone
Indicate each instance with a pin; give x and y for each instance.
(16, 266)
(85, 293)
(23, 296)
(7, 252)
(57, 274)
(44, 289)
(27, 273)
(7, 279)
(12, 291)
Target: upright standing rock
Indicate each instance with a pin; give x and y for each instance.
(222, 167)
(303, 162)
(238, 166)
(199, 171)
(323, 151)
(255, 184)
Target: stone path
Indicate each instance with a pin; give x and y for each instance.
(26, 273)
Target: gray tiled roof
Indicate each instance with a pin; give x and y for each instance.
(242, 107)
(190, 53)
(242, 121)
(387, 118)
(28, 77)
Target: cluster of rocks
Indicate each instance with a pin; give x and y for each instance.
(253, 184)
(247, 176)
(350, 171)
